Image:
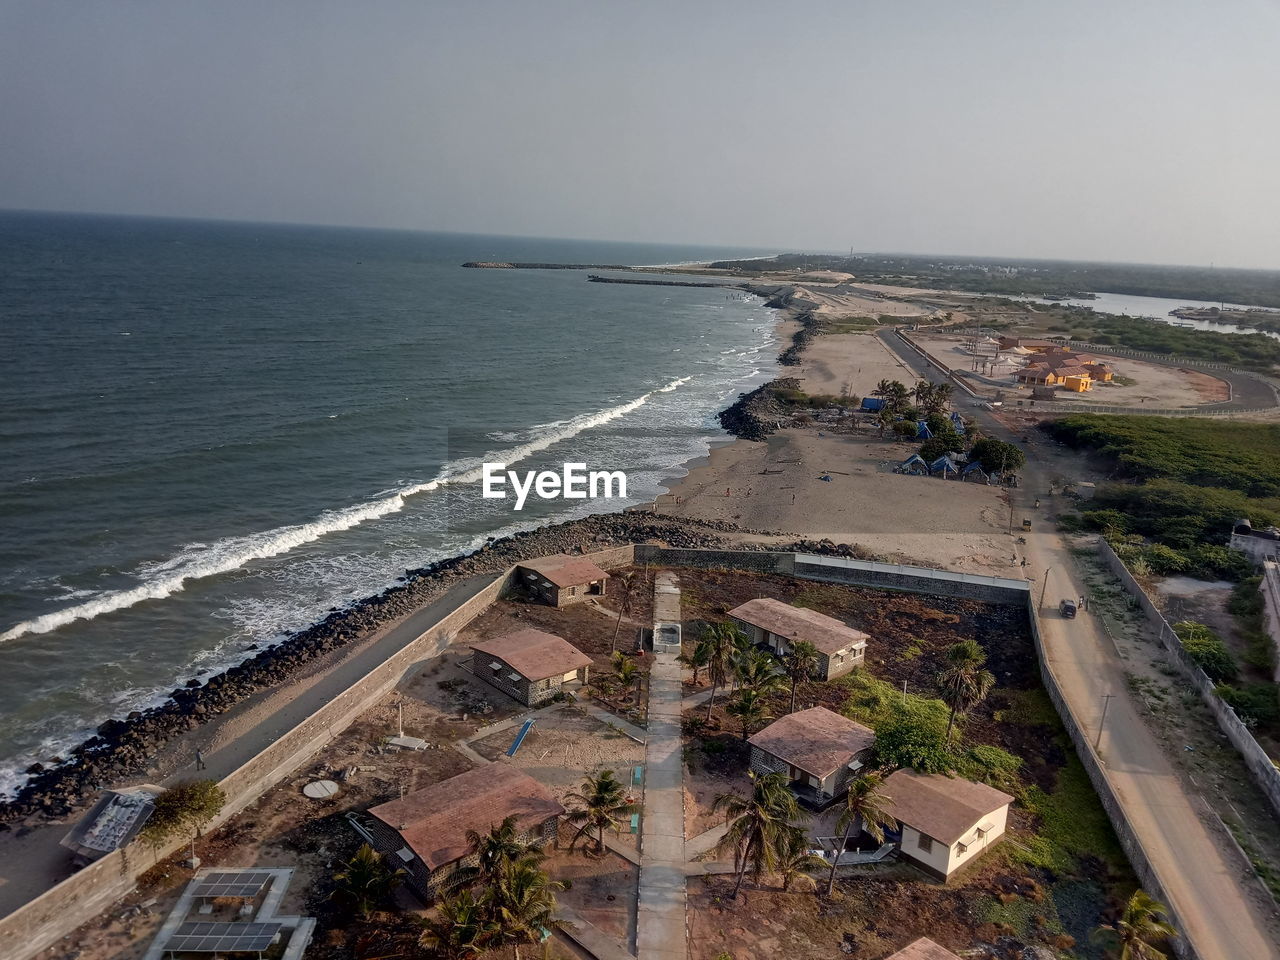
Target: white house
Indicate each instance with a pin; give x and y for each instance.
(945, 821)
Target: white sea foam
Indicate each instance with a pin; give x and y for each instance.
(199, 561)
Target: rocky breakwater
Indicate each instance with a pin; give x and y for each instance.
(756, 415)
(126, 747)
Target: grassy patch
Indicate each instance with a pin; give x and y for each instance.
(1073, 825)
(1028, 708)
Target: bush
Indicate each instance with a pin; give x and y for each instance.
(1258, 702)
(913, 738)
(996, 455)
(1207, 649)
(991, 765)
(942, 443)
(905, 428)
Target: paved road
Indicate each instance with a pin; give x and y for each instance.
(1219, 907)
(660, 920)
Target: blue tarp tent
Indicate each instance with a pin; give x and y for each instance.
(974, 471)
(913, 464)
(922, 431)
(943, 465)
(957, 421)
(872, 404)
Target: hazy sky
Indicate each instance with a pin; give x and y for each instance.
(1145, 131)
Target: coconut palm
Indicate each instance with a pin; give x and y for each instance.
(525, 907)
(601, 803)
(758, 824)
(741, 650)
(963, 682)
(1139, 930)
(461, 929)
(800, 664)
(626, 671)
(750, 710)
(365, 880)
(795, 863)
(757, 670)
(720, 639)
(495, 855)
(625, 585)
(697, 658)
(864, 808)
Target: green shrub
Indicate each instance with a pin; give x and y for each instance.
(1207, 649)
(915, 738)
(905, 428)
(991, 765)
(996, 455)
(1259, 702)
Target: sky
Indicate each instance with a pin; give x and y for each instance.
(1097, 129)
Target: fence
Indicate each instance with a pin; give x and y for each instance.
(87, 893)
(1271, 601)
(1255, 758)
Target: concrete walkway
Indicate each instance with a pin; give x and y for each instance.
(602, 945)
(660, 920)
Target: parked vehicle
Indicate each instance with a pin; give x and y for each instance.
(1068, 609)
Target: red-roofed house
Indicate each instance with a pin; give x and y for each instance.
(561, 579)
(530, 665)
(425, 832)
(777, 625)
(945, 821)
(818, 749)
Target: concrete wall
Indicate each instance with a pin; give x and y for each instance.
(1256, 759)
(749, 560)
(894, 576)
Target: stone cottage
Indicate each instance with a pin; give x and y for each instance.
(529, 665)
(819, 750)
(777, 625)
(561, 580)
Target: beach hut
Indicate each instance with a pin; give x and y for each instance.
(914, 465)
(922, 431)
(943, 466)
(974, 472)
(872, 404)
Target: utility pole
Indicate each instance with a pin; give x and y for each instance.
(1044, 587)
(904, 693)
(1010, 516)
(1106, 702)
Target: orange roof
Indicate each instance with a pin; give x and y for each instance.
(797, 623)
(818, 741)
(565, 571)
(923, 949)
(535, 655)
(434, 821)
(944, 808)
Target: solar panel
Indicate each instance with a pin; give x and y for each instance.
(201, 936)
(241, 884)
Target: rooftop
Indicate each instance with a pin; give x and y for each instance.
(944, 808)
(796, 623)
(923, 949)
(434, 821)
(564, 570)
(535, 655)
(818, 741)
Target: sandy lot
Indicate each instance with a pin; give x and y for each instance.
(944, 523)
(849, 302)
(849, 363)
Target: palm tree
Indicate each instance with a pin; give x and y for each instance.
(750, 710)
(963, 682)
(626, 599)
(864, 807)
(757, 670)
(800, 664)
(795, 862)
(626, 670)
(720, 638)
(461, 929)
(496, 854)
(1139, 929)
(365, 880)
(922, 393)
(525, 908)
(602, 802)
(741, 649)
(883, 389)
(698, 658)
(759, 824)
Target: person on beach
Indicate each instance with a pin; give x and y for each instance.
(200, 764)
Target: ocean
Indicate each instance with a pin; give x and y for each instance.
(213, 433)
